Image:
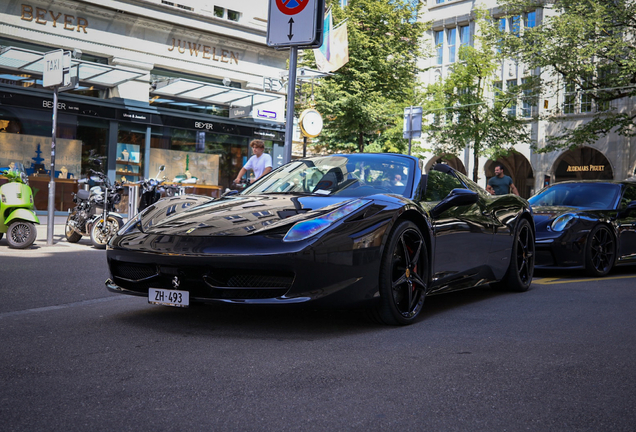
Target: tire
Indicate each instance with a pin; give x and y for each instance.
(21, 234)
(100, 239)
(403, 276)
(518, 277)
(1, 235)
(600, 251)
(71, 235)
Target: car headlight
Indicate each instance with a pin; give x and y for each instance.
(305, 229)
(132, 225)
(562, 222)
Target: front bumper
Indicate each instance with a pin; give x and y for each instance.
(563, 251)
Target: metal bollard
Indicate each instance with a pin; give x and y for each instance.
(133, 198)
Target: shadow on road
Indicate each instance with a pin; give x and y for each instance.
(269, 322)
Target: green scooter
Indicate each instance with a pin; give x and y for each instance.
(17, 211)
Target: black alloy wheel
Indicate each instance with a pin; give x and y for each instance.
(518, 277)
(403, 276)
(600, 251)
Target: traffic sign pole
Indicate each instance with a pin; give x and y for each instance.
(50, 217)
(291, 96)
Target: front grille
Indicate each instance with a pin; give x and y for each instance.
(133, 272)
(247, 279)
(246, 294)
(203, 282)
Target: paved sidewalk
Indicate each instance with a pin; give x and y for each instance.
(59, 239)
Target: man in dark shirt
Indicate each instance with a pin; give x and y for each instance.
(501, 184)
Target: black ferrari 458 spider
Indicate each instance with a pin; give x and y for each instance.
(358, 229)
(586, 224)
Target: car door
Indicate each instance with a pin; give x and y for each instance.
(462, 235)
(626, 225)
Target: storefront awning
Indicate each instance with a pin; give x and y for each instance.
(32, 62)
(207, 93)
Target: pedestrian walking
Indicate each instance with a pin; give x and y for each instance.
(501, 184)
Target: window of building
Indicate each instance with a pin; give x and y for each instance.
(569, 100)
(530, 19)
(464, 35)
(514, 24)
(439, 43)
(529, 101)
(452, 38)
(511, 85)
(227, 14)
(343, 3)
(439, 1)
(497, 88)
(233, 15)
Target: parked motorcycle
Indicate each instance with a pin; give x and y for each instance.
(152, 190)
(94, 212)
(17, 211)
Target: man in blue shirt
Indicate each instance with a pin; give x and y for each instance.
(501, 184)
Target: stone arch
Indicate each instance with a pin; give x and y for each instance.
(519, 168)
(448, 159)
(583, 163)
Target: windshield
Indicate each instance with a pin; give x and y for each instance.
(580, 195)
(353, 175)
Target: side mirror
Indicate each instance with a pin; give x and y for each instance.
(229, 192)
(161, 168)
(630, 208)
(456, 197)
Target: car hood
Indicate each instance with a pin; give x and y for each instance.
(545, 213)
(233, 216)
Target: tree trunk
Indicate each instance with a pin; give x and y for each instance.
(475, 162)
(360, 142)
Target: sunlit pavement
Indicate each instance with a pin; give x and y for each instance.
(41, 245)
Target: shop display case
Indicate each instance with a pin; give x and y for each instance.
(128, 162)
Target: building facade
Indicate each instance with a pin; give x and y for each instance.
(185, 84)
(611, 157)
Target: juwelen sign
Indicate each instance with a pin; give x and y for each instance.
(295, 23)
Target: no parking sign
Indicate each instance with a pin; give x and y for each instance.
(295, 23)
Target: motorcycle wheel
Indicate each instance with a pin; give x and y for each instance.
(1, 234)
(71, 235)
(21, 234)
(101, 237)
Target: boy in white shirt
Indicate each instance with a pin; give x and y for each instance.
(260, 162)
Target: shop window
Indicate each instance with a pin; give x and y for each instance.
(131, 140)
(219, 12)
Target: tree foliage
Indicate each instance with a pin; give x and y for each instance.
(362, 103)
(586, 43)
(466, 108)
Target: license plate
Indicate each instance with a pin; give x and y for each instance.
(168, 297)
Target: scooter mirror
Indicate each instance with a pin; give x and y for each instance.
(162, 167)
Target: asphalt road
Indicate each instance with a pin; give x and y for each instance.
(561, 357)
